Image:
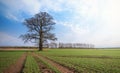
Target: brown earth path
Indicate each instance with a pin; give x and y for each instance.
(16, 67)
(61, 68)
(43, 67)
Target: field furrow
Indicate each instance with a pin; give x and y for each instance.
(8, 58)
(18, 66)
(44, 65)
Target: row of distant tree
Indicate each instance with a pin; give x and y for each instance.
(68, 45)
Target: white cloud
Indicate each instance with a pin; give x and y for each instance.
(28, 6)
(109, 31)
(92, 21)
(75, 28)
(51, 5)
(31, 6)
(8, 40)
(97, 20)
(10, 16)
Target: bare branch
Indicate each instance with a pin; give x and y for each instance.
(39, 28)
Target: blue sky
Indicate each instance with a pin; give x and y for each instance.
(77, 21)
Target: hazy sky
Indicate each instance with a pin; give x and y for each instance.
(82, 21)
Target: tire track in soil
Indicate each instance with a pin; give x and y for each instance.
(43, 68)
(61, 68)
(18, 66)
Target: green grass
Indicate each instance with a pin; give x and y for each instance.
(31, 65)
(81, 60)
(7, 58)
(87, 60)
(82, 52)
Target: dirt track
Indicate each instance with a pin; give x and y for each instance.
(17, 67)
(43, 68)
(61, 68)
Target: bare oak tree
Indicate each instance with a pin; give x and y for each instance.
(39, 29)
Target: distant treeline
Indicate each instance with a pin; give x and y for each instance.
(68, 45)
(53, 45)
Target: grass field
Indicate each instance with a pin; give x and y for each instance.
(7, 58)
(86, 60)
(77, 60)
(31, 65)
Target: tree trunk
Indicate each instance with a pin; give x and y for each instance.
(40, 39)
(40, 44)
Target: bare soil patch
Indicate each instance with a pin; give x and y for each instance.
(61, 68)
(18, 66)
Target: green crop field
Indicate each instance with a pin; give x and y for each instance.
(31, 65)
(77, 60)
(7, 58)
(86, 60)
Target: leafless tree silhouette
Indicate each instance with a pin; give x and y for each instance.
(39, 29)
